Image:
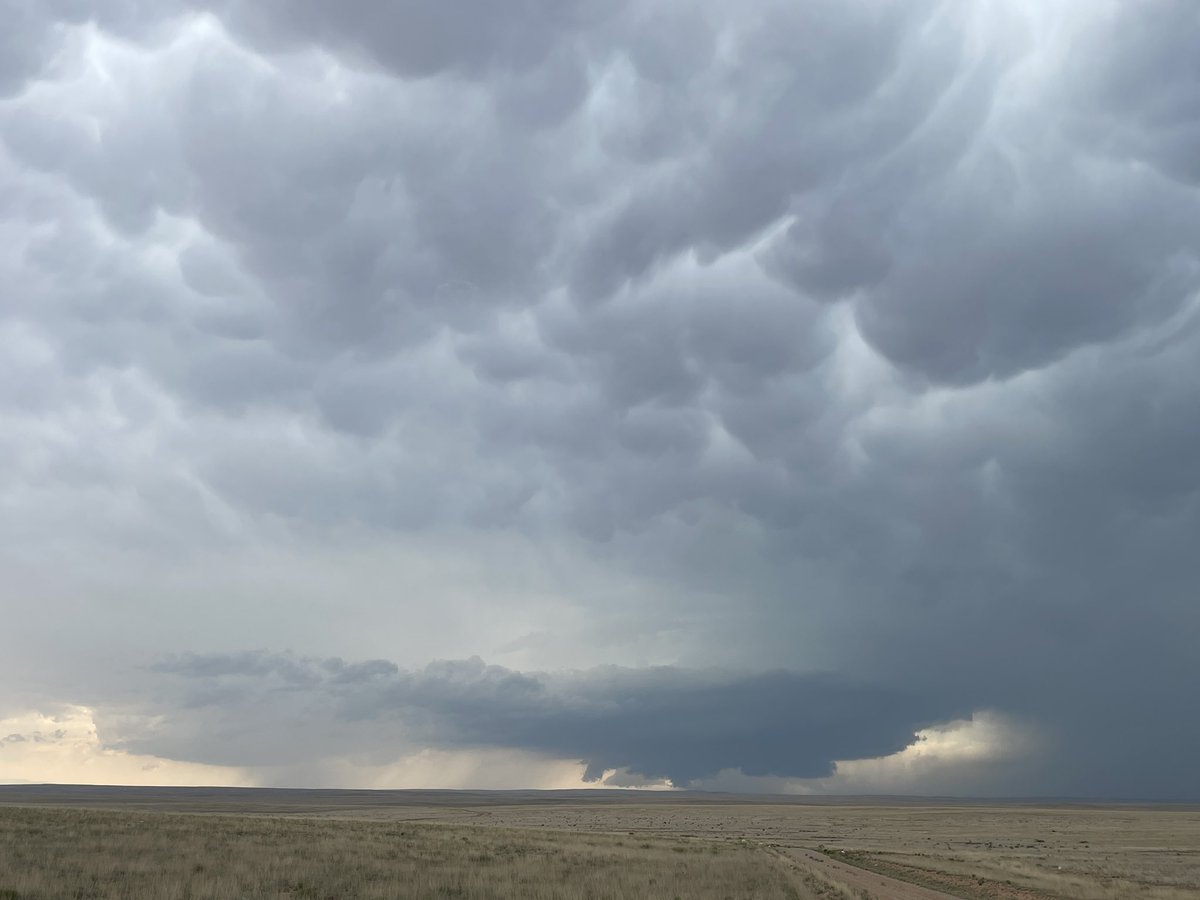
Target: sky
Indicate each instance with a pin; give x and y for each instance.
(790, 395)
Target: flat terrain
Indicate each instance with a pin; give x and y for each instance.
(202, 843)
(56, 853)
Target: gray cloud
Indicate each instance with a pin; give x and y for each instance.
(846, 337)
(661, 722)
(419, 39)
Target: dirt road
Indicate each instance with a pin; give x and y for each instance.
(878, 887)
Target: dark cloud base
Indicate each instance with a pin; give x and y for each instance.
(660, 723)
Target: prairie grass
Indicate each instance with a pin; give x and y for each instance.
(1068, 852)
(316, 844)
(52, 854)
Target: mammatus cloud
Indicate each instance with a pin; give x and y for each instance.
(850, 337)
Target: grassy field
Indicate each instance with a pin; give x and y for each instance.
(209, 843)
(977, 852)
(51, 854)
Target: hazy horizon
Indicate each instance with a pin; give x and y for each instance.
(116, 794)
(782, 397)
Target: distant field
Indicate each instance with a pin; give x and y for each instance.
(261, 843)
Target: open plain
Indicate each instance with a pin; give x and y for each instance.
(217, 843)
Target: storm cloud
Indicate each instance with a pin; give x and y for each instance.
(751, 388)
(660, 722)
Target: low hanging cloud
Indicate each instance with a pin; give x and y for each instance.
(662, 722)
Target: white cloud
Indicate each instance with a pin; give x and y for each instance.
(63, 747)
(965, 757)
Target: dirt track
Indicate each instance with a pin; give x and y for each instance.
(878, 887)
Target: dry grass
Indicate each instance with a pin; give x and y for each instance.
(50, 854)
(595, 845)
(1068, 852)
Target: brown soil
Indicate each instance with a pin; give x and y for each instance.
(861, 882)
(967, 887)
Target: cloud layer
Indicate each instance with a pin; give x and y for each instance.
(844, 338)
(661, 723)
